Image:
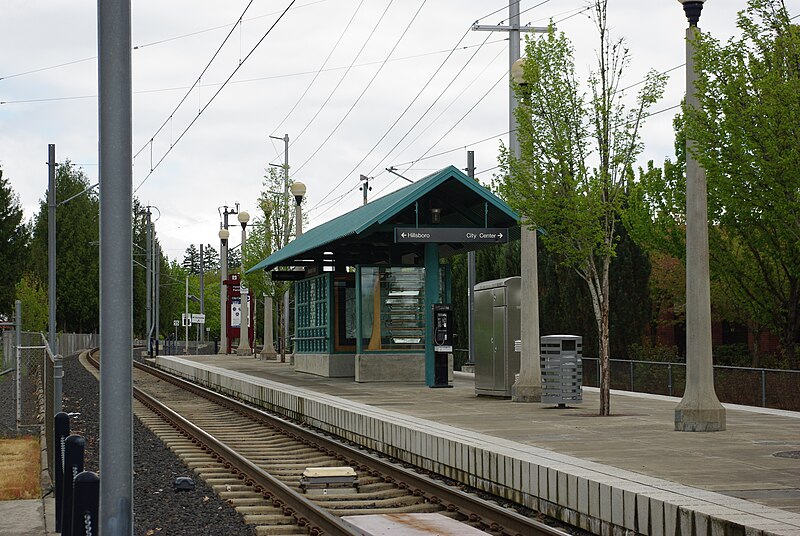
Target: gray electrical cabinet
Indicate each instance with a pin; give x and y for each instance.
(497, 326)
(562, 369)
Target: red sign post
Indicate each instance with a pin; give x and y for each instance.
(233, 312)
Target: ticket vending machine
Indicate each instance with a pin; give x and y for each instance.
(442, 343)
(233, 312)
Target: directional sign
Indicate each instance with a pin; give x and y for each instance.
(198, 319)
(286, 275)
(466, 235)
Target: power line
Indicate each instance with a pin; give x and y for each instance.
(444, 110)
(196, 82)
(214, 96)
(324, 63)
(408, 26)
(152, 43)
(441, 65)
(528, 9)
(502, 77)
(257, 79)
(358, 54)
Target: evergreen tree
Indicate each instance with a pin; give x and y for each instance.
(191, 260)
(77, 251)
(13, 244)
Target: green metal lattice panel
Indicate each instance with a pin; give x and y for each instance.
(312, 314)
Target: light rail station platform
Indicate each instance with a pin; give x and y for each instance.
(627, 473)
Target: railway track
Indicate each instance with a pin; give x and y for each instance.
(256, 461)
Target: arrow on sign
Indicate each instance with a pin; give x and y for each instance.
(500, 236)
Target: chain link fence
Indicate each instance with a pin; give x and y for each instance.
(21, 385)
(769, 388)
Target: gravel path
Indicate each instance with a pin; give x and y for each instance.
(158, 510)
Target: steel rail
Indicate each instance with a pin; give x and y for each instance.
(318, 520)
(496, 517)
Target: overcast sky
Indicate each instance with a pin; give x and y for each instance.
(48, 88)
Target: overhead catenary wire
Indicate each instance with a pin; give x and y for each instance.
(255, 79)
(409, 130)
(427, 83)
(322, 67)
(153, 43)
(347, 71)
(366, 88)
(196, 82)
(214, 96)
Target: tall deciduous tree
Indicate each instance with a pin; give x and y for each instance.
(77, 251)
(13, 243)
(577, 151)
(747, 139)
(749, 143)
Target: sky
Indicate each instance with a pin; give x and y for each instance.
(358, 86)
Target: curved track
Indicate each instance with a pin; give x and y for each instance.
(255, 461)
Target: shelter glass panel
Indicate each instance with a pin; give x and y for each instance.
(392, 308)
(312, 314)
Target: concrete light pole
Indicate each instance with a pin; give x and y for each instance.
(298, 191)
(224, 234)
(699, 410)
(244, 332)
(528, 388)
(51, 247)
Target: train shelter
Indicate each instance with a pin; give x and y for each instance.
(367, 281)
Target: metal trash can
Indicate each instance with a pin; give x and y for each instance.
(562, 369)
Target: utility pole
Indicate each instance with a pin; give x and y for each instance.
(51, 246)
(115, 114)
(186, 317)
(286, 220)
(365, 187)
(471, 276)
(224, 234)
(529, 386)
(157, 282)
(202, 293)
(149, 277)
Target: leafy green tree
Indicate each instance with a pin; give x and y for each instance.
(746, 138)
(33, 296)
(13, 245)
(271, 229)
(77, 252)
(576, 157)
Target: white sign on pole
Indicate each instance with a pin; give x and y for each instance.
(186, 320)
(198, 319)
(176, 323)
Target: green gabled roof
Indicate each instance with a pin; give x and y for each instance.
(377, 212)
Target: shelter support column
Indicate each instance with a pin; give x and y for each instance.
(268, 352)
(431, 295)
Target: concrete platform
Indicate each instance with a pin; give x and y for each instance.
(610, 475)
(34, 517)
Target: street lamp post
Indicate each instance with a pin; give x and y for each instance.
(528, 387)
(224, 234)
(244, 332)
(298, 190)
(699, 410)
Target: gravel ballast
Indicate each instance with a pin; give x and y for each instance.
(158, 510)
